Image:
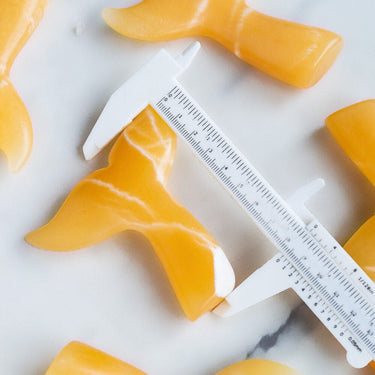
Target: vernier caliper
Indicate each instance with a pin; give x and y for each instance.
(310, 260)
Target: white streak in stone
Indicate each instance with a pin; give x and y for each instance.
(204, 240)
(159, 165)
(2, 69)
(234, 11)
(198, 13)
(164, 161)
(120, 193)
(3, 83)
(146, 155)
(245, 12)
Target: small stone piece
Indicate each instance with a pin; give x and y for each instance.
(77, 358)
(18, 20)
(257, 367)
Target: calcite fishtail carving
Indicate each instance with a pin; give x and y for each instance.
(257, 367)
(354, 129)
(77, 358)
(131, 194)
(18, 20)
(296, 54)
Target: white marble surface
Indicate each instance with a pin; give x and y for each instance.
(115, 295)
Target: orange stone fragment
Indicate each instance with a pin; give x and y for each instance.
(361, 247)
(296, 54)
(257, 367)
(354, 129)
(80, 359)
(18, 20)
(131, 194)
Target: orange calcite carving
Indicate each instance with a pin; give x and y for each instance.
(131, 194)
(18, 19)
(297, 54)
(354, 129)
(257, 367)
(361, 247)
(81, 359)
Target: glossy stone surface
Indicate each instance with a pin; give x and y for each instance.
(80, 359)
(131, 194)
(297, 54)
(257, 367)
(115, 295)
(354, 129)
(18, 19)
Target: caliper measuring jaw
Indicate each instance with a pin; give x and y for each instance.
(275, 276)
(143, 88)
(269, 280)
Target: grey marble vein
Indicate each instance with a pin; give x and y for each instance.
(300, 316)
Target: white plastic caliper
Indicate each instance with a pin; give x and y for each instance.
(310, 261)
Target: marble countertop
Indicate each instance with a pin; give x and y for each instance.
(115, 295)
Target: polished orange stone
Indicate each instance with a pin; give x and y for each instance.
(131, 194)
(354, 129)
(257, 367)
(296, 54)
(80, 359)
(18, 19)
(361, 247)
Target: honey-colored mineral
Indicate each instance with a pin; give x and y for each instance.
(354, 129)
(18, 20)
(296, 54)
(361, 247)
(131, 194)
(80, 359)
(257, 367)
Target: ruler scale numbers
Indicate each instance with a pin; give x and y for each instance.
(339, 293)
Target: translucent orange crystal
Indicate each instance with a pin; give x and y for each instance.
(297, 54)
(18, 19)
(354, 129)
(361, 246)
(131, 194)
(257, 367)
(81, 359)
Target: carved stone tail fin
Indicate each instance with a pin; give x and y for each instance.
(16, 136)
(18, 20)
(78, 358)
(361, 247)
(291, 52)
(157, 20)
(131, 194)
(354, 129)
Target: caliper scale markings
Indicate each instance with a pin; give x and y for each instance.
(335, 299)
